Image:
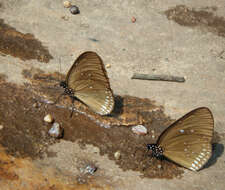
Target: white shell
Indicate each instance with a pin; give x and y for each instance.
(139, 130)
(67, 4)
(48, 118)
(117, 155)
(55, 131)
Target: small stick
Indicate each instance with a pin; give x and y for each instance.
(158, 77)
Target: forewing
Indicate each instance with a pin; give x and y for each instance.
(188, 140)
(88, 78)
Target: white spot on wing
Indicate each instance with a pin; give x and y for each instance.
(196, 162)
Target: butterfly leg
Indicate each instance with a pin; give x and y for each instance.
(71, 114)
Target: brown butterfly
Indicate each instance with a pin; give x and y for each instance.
(87, 81)
(188, 141)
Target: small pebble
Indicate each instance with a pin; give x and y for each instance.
(133, 19)
(117, 155)
(74, 10)
(67, 4)
(36, 105)
(108, 66)
(139, 130)
(1, 127)
(56, 131)
(66, 18)
(48, 118)
(153, 136)
(90, 169)
(159, 166)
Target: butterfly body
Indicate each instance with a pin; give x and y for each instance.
(87, 81)
(157, 151)
(188, 140)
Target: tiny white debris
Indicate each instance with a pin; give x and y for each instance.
(139, 130)
(159, 166)
(153, 136)
(152, 131)
(1, 127)
(90, 169)
(182, 131)
(56, 131)
(117, 155)
(108, 66)
(67, 4)
(192, 130)
(48, 118)
(36, 105)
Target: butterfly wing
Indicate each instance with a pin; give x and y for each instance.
(88, 78)
(188, 140)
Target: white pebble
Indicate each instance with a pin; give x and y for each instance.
(139, 130)
(56, 131)
(117, 155)
(1, 127)
(48, 118)
(67, 4)
(108, 66)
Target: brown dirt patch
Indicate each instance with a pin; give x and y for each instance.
(197, 18)
(24, 174)
(23, 46)
(25, 134)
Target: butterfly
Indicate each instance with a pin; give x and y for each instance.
(87, 81)
(188, 141)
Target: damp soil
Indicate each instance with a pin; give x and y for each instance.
(23, 46)
(25, 134)
(204, 18)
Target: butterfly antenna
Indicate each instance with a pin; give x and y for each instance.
(59, 69)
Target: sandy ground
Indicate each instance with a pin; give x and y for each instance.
(153, 44)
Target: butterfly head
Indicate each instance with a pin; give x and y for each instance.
(68, 91)
(63, 84)
(156, 150)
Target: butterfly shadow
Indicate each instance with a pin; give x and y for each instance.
(118, 106)
(217, 151)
